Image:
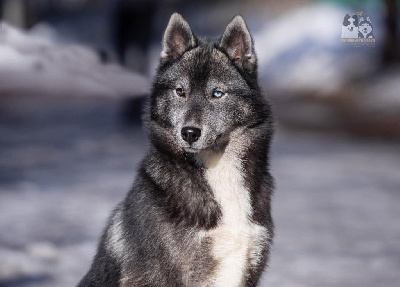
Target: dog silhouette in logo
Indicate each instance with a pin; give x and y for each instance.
(350, 26)
(365, 28)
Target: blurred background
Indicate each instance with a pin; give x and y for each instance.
(73, 78)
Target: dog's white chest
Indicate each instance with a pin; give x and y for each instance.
(237, 241)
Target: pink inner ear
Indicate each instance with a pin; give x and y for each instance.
(179, 44)
(237, 49)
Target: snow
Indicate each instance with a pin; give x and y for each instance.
(37, 63)
(336, 212)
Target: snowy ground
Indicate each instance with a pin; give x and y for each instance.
(65, 163)
(30, 62)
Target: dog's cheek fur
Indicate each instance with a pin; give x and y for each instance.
(162, 116)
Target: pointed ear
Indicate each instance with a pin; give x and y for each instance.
(178, 38)
(238, 44)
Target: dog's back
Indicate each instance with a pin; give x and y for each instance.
(199, 211)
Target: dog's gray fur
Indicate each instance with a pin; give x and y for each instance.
(199, 211)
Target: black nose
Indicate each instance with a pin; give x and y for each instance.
(190, 134)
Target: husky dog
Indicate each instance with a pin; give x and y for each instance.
(198, 213)
(365, 28)
(350, 27)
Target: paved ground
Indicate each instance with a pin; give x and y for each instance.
(64, 164)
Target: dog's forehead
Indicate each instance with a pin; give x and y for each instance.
(202, 65)
(205, 59)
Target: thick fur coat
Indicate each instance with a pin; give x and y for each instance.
(198, 213)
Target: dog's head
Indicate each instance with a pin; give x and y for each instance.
(365, 26)
(204, 89)
(350, 21)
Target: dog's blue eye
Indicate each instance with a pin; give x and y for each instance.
(218, 94)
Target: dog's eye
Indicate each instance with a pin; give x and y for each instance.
(217, 94)
(180, 92)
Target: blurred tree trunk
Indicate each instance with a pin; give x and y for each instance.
(19, 13)
(391, 45)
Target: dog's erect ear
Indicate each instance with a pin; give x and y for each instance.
(238, 44)
(346, 21)
(178, 38)
(355, 20)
